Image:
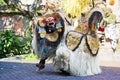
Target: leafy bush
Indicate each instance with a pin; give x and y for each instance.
(2, 2)
(10, 44)
(30, 56)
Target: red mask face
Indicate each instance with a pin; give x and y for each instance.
(50, 21)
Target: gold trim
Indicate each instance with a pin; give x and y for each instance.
(93, 43)
(52, 36)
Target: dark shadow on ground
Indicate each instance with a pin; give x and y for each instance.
(27, 71)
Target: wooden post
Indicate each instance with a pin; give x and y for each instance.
(93, 3)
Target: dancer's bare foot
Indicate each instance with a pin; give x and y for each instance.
(40, 66)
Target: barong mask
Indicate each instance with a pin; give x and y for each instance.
(50, 25)
(86, 32)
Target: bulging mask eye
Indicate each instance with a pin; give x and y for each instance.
(41, 22)
(50, 19)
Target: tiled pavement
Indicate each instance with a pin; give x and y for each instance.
(27, 71)
(109, 58)
(15, 68)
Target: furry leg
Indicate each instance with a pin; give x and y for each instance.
(62, 59)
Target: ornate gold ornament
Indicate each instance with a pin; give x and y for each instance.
(52, 36)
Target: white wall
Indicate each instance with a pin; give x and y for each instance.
(115, 8)
(27, 1)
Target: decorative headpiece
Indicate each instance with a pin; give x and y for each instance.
(48, 20)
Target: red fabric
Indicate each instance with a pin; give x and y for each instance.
(85, 24)
(101, 29)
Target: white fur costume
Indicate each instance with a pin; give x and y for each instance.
(78, 62)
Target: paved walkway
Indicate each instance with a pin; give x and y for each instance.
(14, 68)
(109, 58)
(27, 71)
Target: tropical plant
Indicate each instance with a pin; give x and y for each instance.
(2, 2)
(10, 44)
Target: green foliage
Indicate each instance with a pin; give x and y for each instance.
(12, 10)
(30, 56)
(10, 44)
(2, 2)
